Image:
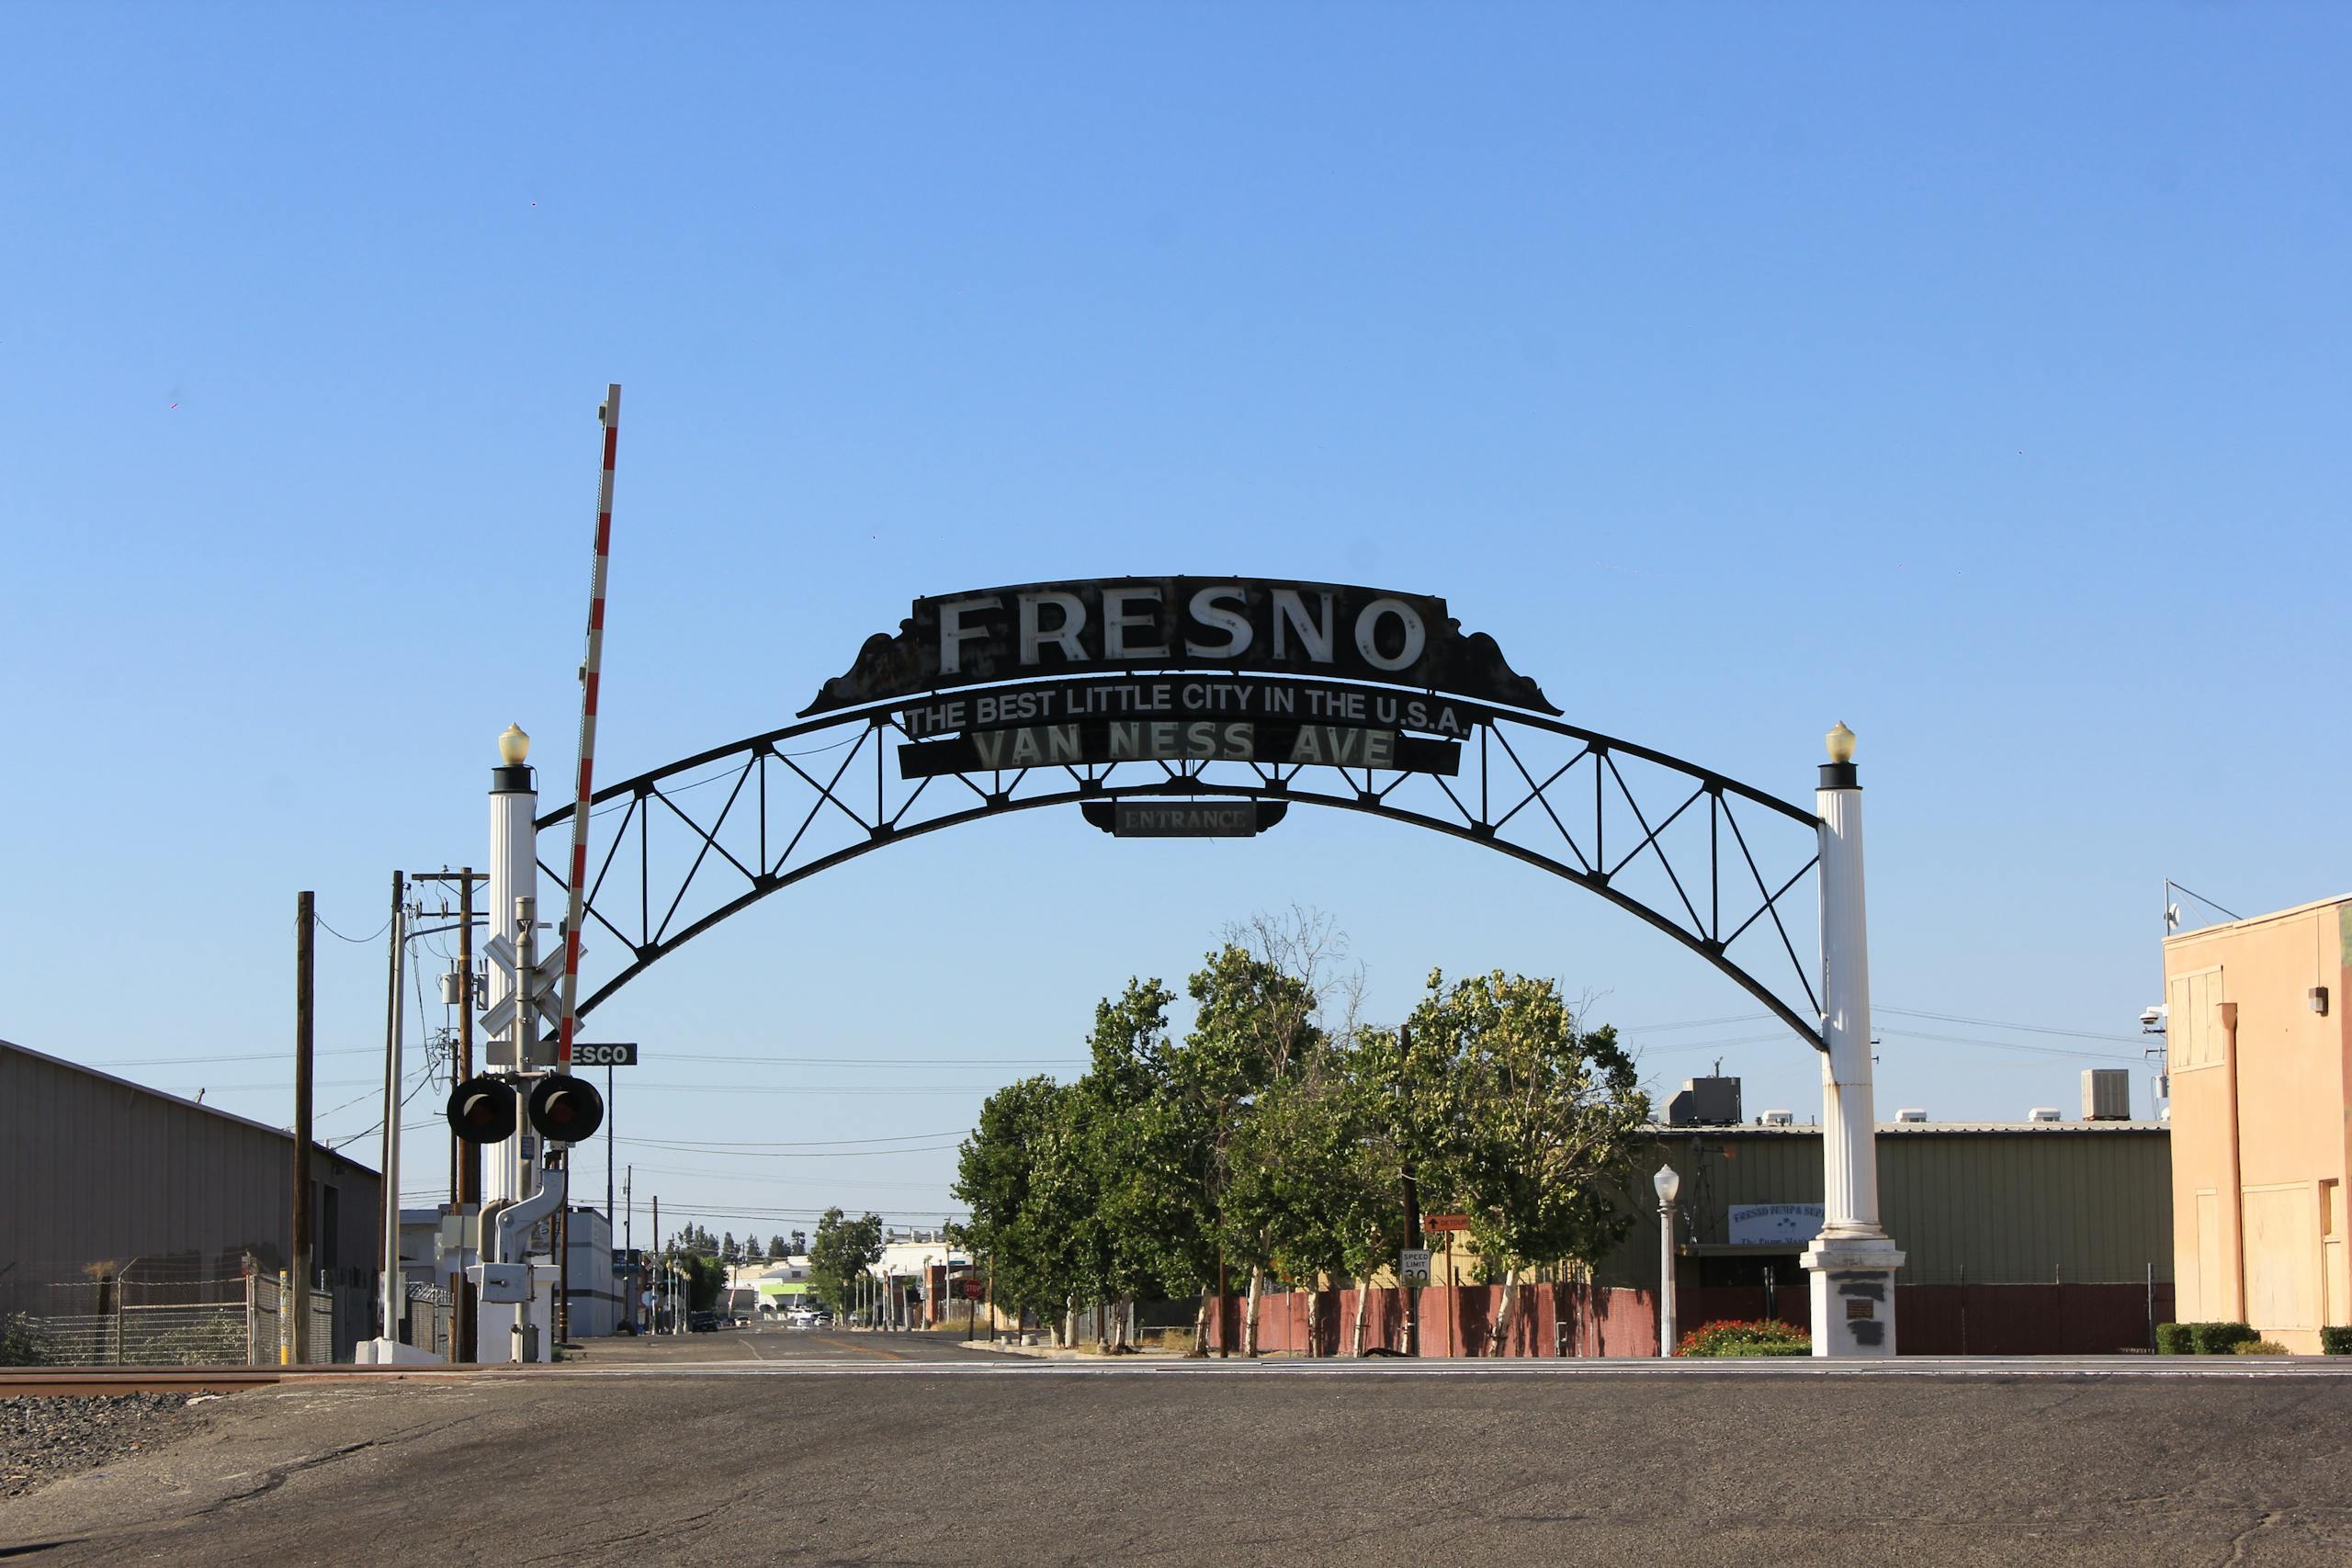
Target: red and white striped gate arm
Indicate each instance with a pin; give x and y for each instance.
(576, 877)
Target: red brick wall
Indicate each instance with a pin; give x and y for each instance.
(1932, 1320)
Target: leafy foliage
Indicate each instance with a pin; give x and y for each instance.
(1761, 1337)
(25, 1341)
(1270, 1139)
(841, 1252)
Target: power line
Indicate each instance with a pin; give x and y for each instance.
(320, 920)
(807, 1144)
(819, 1154)
(1999, 1024)
(2013, 1045)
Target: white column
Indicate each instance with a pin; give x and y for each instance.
(514, 873)
(1668, 1330)
(1849, 1148)
(1852, 1261)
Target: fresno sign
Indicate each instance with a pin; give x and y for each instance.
(1044, 630)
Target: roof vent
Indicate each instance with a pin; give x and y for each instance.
(1777, 1119)
(1913, 1114)
(2042, 1113)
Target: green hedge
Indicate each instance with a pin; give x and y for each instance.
(2202, 1339)
(2336, 1341)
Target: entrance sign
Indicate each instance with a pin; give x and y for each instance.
(1225, 819)
(1172, 700)
(1108, 625)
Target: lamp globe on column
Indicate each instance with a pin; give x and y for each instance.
(514, 746)
(1840, 741)
(1669, 1183)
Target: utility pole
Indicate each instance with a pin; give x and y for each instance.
(465, 1187)
(654, 1312)
(298, 1265)
(388, 1216)
(1413, 1224)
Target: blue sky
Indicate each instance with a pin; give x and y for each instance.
(1975, 375)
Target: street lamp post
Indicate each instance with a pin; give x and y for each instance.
(1667, 1184)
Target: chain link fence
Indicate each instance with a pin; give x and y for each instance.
(154, 1312)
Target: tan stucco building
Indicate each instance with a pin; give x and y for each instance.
(2260, 1063)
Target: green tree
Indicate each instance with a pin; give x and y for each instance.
(775, 1248)
(1297, 1170)
(995, 1173)
(1538, 1123)
(843, 1249)
(1259, 1002)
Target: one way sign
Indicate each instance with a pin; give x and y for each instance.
(543, 988)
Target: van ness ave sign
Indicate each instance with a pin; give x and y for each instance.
(1180, 623)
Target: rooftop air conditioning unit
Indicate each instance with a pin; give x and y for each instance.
(2106, 1094)
(1911, 1115)
(2042, 1113)
(1705, 1103)
(1777, 1119)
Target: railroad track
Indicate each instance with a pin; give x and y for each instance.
(18, 1383)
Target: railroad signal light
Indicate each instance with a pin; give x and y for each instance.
(482, 1111)
(565, 1109)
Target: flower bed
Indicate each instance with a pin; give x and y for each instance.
(1763, 1337)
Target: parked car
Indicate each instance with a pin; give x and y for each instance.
(701, 1321)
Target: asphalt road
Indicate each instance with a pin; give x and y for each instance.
(811, 1448)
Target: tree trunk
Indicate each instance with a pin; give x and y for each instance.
(1315, 1318)
(1201, 1327)
(1249, 1318)
(1363, 1306)
(1500, 1337)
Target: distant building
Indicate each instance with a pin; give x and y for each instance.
(98, 1175)
(2259, 1058)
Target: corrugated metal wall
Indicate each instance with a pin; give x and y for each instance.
(92, 1169)
(1990, 1206)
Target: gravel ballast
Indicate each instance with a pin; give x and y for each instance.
(43, 1439)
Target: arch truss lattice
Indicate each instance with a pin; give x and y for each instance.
(1721, 868)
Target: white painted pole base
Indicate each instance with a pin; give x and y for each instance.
(1853, 1295)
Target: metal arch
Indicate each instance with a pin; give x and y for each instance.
(1480, 822)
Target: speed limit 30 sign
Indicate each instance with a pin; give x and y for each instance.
(605, 1054)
